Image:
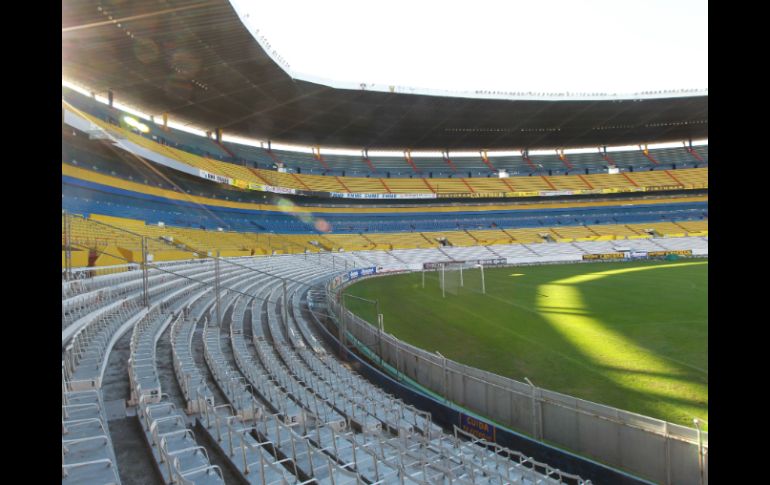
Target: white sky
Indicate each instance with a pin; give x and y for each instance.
(611, 46)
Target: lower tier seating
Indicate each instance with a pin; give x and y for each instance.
(97, 234)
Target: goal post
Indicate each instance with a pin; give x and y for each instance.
(455, 276)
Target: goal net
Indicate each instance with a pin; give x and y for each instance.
(454, 278)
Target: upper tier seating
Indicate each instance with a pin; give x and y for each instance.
(351, 174)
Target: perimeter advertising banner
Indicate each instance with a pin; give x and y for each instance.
(241, 184)
(477, 428)
(357, 273)
(594, 257)
(537, 193)
(678, 252)
(352, 275)
(655, 188)
(491, 262)
(215, 178)
(344, 195)
(522, 194)
(470, 195)
(555, 193)
(279, 190)
(485, 262)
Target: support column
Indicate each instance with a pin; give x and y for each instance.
(341, 328)
(700, 449)
(445, 385)
(145, 277)
(67, 247)
(397, 346)
(536, 431)
(380, 328)
(667, 448)
(216, 290)
(285, 309)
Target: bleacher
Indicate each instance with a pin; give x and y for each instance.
(273, 400)
(108, 234)
(344, 174)
(86, 192)
(175, 449)
(88, 455)
(310, 181)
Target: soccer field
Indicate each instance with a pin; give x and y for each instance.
(633, 335)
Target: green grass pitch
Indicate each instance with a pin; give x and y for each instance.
(633, 335)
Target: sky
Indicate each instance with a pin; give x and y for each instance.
(608, 46)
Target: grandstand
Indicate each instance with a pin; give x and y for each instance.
(208, 335)
(240, 173)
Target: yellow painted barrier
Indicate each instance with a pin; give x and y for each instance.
(79, 259)
(109, 256)
(112, 220)
(234, 253)
(172, 255)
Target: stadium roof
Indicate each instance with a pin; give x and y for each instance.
(198, 62)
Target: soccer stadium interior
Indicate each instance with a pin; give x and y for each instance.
(218, 214)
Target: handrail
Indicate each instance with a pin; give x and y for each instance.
(75, 441)
(206, 469)
(87, 463)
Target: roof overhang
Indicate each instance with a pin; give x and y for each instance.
(198, 63)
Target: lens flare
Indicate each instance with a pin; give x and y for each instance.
(323, 225)
(290, 208)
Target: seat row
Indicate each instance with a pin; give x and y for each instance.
(417, 455)
(88, 456)
(292, 413)
(177, 454)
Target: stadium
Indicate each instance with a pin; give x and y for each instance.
(271, 276)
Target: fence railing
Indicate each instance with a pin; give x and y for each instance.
(648, 447)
